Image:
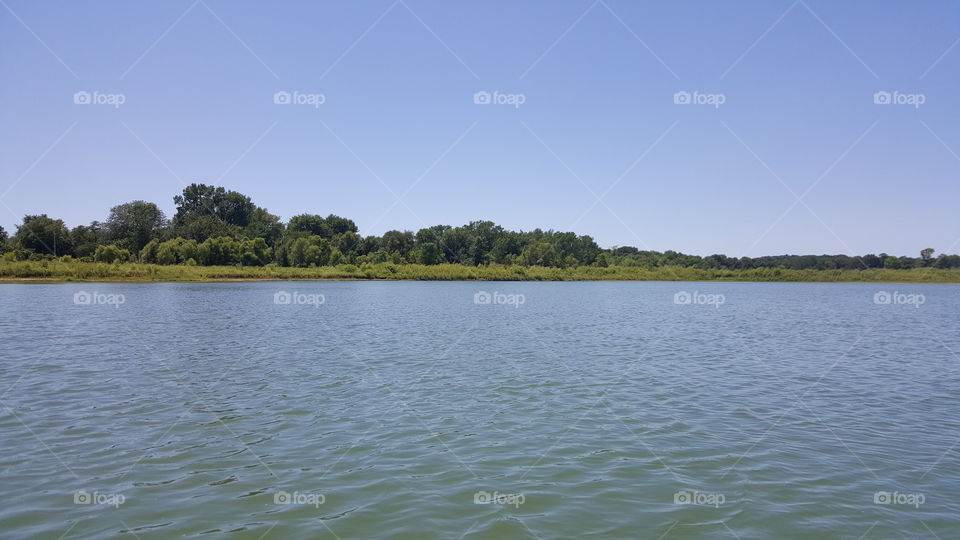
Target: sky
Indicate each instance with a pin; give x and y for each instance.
(745, 128)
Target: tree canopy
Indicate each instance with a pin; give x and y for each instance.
(215, 226)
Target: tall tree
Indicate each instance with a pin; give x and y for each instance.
(133, 224)
(44, 235)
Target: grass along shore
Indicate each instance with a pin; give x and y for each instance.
(57, 271)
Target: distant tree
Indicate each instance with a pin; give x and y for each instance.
(926, 255)
(202, 200)
(429, 253)
(264, 225)
(86, 238)
(399, 242)
(310, 223)
(43, 234)
(111, 254)
(340, 225)
(3, 240)
(133, 224)
(540, 254)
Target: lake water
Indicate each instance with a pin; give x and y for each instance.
(442, 410)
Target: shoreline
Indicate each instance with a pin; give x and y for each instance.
(26, 272)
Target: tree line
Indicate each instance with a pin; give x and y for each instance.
(213, 226)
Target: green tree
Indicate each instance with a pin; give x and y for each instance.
(202, 200)
(133, 224)
(309, 223)
(86, 238)
(43, 234)
(926, 255)
(111, 254)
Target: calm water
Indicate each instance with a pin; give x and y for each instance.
(407, 410)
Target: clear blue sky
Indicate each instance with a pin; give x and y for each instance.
(399, 119)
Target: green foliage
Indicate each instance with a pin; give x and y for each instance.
(134, 224)
(111, 254)
(214, 226)
(43, 234)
